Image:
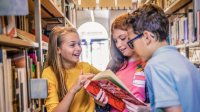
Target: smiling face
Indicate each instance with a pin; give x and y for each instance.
(70, 49)
(120, 38)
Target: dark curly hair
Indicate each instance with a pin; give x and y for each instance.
(151, 18)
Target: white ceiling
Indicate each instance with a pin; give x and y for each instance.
(86, 14)
(104, 17)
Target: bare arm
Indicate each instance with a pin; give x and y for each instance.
(64, 105)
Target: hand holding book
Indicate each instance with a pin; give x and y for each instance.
(136, 108)
(101, 98)
(114, 88)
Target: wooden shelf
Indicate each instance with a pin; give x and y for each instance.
(69, 23)
(49, 5)
(175, 6)
(53, 11)
(181, 46)
(44, 14)
(45, 47)
(195, 44)
(147, 1)
(7, 41)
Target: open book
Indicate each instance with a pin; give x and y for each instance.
(114, 88)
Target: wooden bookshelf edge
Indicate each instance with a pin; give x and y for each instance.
(147, 1)
(180, 46)
(50, 6)
(7, 41)
(69, 22)
(45, 47)
(175, 6)
(195, 44)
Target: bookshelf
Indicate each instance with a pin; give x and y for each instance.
(52, 8)
(14, 42)
(195, 44)
(176, 6)
(22, 53)
(147, 1)
(184, 18)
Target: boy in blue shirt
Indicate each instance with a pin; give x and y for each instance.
(173, 81)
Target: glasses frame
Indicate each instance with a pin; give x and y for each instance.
(130, 42)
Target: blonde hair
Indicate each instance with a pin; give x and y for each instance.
(54, 59)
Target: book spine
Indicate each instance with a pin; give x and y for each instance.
(191, 26)
(198, 25)
(2, 96)
(10, 87)
(186, 31)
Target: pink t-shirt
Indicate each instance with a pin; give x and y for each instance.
(134, 80)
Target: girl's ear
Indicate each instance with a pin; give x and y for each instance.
(147, 37)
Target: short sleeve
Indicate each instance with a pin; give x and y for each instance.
(163, 86)
(52, 99)
(94, 70)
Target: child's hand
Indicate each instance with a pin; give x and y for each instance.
(136, 108)
(82, 79)
(101, 98)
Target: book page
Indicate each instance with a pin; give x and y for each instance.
(109, 75)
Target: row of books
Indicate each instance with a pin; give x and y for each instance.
(7, 26)
(19, 27)
(17, 70)
(182, 29)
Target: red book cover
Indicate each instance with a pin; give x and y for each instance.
(114, 88)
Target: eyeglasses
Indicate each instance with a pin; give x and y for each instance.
(130, 42)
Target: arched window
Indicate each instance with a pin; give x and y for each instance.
(95, 44)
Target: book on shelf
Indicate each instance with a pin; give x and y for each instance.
(2, 96)
(191, 32)
(10, 26)
(15, 71)
(7, 26)
(114, 88)
(1, 30)
(182, 29)
(38, 88)
(198, 25)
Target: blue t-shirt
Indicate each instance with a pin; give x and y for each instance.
(172, 80)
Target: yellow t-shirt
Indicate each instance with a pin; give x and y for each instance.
(82, 102)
